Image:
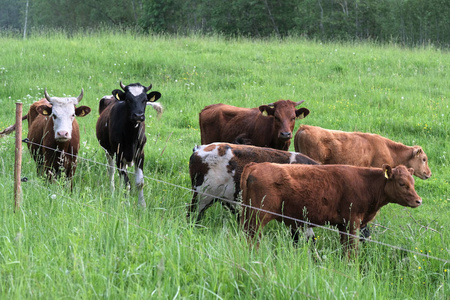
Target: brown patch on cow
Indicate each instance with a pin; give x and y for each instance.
(210, 148)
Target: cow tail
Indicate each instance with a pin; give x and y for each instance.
(246, 211)
(11, 128)
(158, 107)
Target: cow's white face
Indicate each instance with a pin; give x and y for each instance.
(63, 114)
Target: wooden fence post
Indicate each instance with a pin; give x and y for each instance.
(18, 157)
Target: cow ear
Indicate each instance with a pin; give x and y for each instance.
(417, 151)
(82, 111)
(153, 96)
(44, 110)
(301, 113)
(118, 94)
(387, 171)
(266, 110)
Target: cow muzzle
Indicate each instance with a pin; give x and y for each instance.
(62, 136)
(138, 117)
(285, 135)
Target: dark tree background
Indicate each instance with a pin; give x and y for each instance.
(410, 22)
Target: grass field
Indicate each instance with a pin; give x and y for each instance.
(88, 244)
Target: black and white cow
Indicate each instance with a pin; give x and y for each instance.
(216, 169)
(121, 130)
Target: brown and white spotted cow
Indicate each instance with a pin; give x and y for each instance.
(359, 149)
(344, 196)
(268, 125)
(54, 134)
(216, 169)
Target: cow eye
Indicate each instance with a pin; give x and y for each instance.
(424, 160)
(401, 183)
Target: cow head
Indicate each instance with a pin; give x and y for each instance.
(284, 115)
(135, 96)
(419, 162)
(399, 187)
(63, 111)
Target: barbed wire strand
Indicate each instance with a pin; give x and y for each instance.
(256, 208)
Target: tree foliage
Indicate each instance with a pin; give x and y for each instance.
(405, 21)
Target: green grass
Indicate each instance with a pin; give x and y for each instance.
(89, 244)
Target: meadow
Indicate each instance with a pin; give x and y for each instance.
(89, 244)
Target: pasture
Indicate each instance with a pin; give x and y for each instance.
(90, 244)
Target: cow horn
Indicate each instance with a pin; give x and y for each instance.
(81, 95)
(46, 95)
(149, 87)
(299, 102)
(122, 86)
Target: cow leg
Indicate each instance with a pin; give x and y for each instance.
(193, 206)
(111, 169)
(309, 234)
(140, 186)
(348, 241)
(203, 205)
(139, 178)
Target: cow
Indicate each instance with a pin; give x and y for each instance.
(120, 131)
(215, 170)
(339, 195)
(54, 135)
(265, 126)
(359, 149)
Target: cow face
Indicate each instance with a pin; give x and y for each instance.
(419, 162)
(400, 186)
(284, 114)
(62, 111)
(135, 96)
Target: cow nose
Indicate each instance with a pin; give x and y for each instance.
(140, 117)
(62, 134)
(285, 135)
(419, 201)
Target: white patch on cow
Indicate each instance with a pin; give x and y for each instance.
(292, 157)
(136, 90)
(218, 182)
(139, 177)
(63, 113)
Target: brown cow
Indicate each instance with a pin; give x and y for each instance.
(265, 126)
(216, 170)
(344, 196)
(54, 135)
(359, 149)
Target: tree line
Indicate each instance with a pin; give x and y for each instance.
(410, 22)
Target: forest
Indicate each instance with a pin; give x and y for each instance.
(406, 22)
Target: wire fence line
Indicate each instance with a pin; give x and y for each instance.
(242, 205)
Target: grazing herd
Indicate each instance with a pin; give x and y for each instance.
(334, 177)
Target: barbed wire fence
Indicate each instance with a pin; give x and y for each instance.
(242, 205)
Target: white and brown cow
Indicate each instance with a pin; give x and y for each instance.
(121, 131)
(216, 169)
(54, 135)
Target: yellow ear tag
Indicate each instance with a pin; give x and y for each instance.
(45, 112)
(385, 174)
(265, 114)
(301, 116)
(117, 96)
(82, 114)
(152, 99)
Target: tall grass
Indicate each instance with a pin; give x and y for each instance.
(91, 244)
